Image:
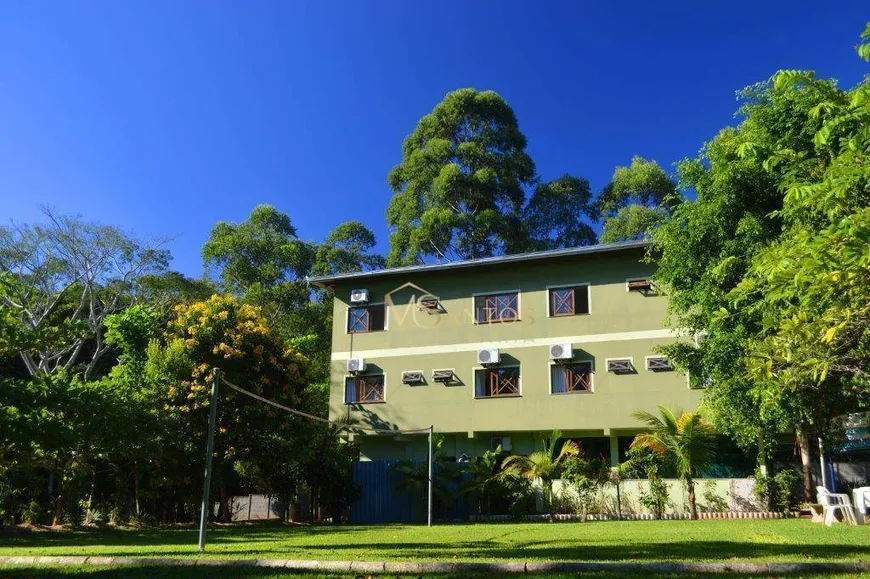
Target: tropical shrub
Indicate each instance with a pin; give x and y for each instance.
(683, 440)
(543, 465)
(644, 463)
(586, 476)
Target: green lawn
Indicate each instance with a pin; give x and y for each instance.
(645, 541)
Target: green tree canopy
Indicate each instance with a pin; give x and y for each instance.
(162, 291)
(554, 216)
(262, 259)
(348, 248)
(708, 246)
(811, 287)
(459, 189)
(637, 199)
(264, 262)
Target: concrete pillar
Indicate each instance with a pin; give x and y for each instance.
(614, 450)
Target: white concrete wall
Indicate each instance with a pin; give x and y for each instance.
(712, 495)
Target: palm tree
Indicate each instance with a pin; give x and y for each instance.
(544, 465)
(684, 440)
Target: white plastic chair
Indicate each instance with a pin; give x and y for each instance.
(833, 502)
(861, 502)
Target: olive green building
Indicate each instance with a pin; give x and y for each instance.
(496, 350)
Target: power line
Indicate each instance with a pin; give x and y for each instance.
(275, 404)
(318, 418)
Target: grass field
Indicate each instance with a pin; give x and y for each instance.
(626, 541)
(743, 540)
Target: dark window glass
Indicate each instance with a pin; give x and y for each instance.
(497, 307)
(566, 378)
(569, 301)
(362, 389)
(366, 318)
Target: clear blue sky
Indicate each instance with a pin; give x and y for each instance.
(166, 117)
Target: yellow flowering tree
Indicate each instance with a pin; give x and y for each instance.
(224, 332)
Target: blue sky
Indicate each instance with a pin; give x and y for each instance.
(165, 117)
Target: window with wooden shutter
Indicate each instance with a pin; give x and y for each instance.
(502, 307)
(363, 319)
(569, 301)
(568, 378)
(497, 382)
(363, 389)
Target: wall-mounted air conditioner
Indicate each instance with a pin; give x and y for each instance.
(561, 351)
(488, 356)
(356, 365)
(359, 296)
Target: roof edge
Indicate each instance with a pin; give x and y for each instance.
(326, 280)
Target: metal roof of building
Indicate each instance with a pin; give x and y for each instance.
(484, 261)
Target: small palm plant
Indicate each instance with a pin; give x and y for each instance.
(544, 465)
(684, 440)
(412, 479)
(483, 479)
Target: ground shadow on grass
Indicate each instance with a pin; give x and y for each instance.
(690, 550)
(271, 540)
(87, 535)
(107, 536)
(144, 572)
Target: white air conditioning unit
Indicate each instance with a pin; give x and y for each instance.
(701, 337)
(359, 296)
(356, 365)
(561, 351)
(503, 441)
(488, 356)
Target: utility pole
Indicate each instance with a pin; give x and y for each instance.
(429, 517)
(212, 418)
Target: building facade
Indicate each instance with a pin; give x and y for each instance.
(495, 351)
